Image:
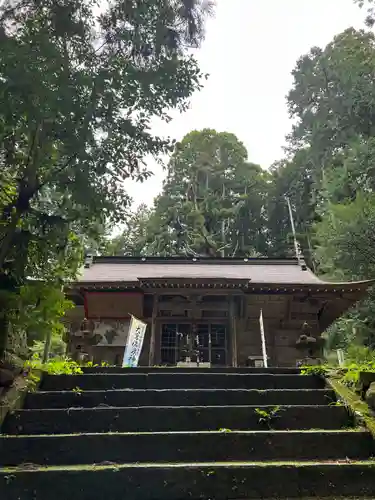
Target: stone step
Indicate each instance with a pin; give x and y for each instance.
(180, 381)
(185, 447)
(178, 397)
(182, 418)
(203, 481)
(174, 369)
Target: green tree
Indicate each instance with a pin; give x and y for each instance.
(78, 90)
(345, 251)
(36, 318)
(332, 102)
(248, 228)
(212, 200)
(333, 99)
(352, 171)
(293, 179)
(347, 236)
(133, 239)
(370, 11)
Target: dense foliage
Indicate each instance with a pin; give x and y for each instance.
(80, 82)
(215, 202)
(332, 101)
(79, 87)
(212, 200)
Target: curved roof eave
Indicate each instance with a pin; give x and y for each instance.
(246, 284)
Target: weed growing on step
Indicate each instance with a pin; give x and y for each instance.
(225, 430)
(91, 364)
(54, 366)
(32, 381)
(318, 370)
(336, 403)
(77, 390)
(33, 368)
(267, 416)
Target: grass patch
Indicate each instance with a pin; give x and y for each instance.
(360, 409)
(317, 370)
(54, 366)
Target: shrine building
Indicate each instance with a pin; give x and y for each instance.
(217, 300)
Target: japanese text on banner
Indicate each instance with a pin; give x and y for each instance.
(134, 343)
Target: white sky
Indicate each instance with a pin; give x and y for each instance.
(251, 47)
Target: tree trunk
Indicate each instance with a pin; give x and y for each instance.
(47, 346)
(223, 238)
(7, 241)
(3, 333)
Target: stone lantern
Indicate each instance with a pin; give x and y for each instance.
(310, 347)
(89, 339)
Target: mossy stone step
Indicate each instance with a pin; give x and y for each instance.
(185, 447)
(182, 418)
(133, 431)
(165, 369)
(180, 381)
(178, 397)
(201, 481)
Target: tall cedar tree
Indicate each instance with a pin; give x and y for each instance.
(212, 200)
(78, 88)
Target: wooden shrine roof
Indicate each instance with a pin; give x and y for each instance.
(144, 272)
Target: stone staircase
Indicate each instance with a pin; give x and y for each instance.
(172, 434)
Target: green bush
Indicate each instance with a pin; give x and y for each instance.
(57, 348)
(358, 359)
(319, 370)
(54, 366)
(359, 354)
(353, 370)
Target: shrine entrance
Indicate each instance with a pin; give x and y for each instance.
(206, 342)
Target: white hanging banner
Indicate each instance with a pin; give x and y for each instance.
(134, 342)
(264, 351)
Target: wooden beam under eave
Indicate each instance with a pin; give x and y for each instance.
(193, 291)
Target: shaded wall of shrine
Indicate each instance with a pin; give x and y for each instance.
(108, 315)
(284, 314)
(283, 319)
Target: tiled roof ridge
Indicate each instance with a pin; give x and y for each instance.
(259, 271)
(103, 259)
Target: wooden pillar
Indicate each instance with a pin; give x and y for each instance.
(151, 359)
(233, 329)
